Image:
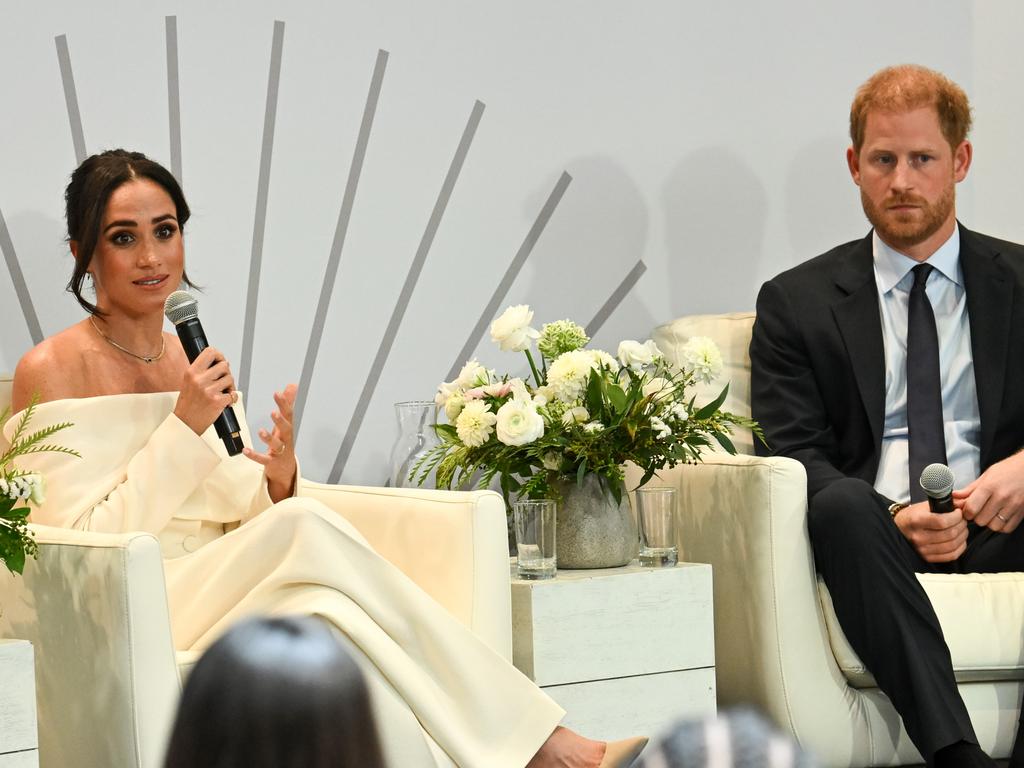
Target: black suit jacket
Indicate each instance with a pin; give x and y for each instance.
(817, 360)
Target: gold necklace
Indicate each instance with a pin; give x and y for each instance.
(143, 358)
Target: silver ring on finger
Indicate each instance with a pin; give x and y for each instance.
(279, 451)
(1004, 519)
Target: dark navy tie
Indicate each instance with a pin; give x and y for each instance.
(927, 442)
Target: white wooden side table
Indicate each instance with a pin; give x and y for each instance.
(626, 651)
(19, 744)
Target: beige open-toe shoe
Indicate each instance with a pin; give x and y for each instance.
(621, 754)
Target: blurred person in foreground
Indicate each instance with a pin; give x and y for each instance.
(275, 693)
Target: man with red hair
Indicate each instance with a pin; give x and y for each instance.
(888, 354)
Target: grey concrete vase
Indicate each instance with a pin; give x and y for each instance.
(592, 530)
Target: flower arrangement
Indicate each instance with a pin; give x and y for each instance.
(17, 486)
(584, 412)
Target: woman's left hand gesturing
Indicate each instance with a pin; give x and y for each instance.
(279, 460)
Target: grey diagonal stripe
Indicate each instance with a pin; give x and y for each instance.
(340, 230)
(260, 221)
(511, 273)
(173, 96)
(403, 299)
(615, 299)
(18, 280)
(70, 97)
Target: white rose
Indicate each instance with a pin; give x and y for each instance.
(552, 461)
(602, 358)
(519, 423)
(702, 358)
(453, 407)
(38, 489)
(568, 374)
(658, 388)
(475, 424)
(512, 331)
(472, 375)
(576, 415)
(636, 355)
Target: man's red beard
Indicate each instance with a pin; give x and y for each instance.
(905, 230)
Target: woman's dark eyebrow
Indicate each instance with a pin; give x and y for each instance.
(131, 223)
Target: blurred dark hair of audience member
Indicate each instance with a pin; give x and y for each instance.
(275, 693)
(739, 738)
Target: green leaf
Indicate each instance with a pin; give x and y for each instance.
(725, 442)
(15, 560)
(581, 472)
(616, 397)
(19, 513)
(709, 409)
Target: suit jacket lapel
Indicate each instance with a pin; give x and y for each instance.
(860, 325)
(989, 297)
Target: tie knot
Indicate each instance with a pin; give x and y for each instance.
(921, 272)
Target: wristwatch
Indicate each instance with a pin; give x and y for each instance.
(895, 507)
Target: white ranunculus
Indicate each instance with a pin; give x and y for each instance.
(568, 374)
(702, 358)
(635, 355)
(475, 424)
(453, 407)
(661, 429)
(679, 411)
(472, 375)
(512, 331)
(519, 423)
(576, 415)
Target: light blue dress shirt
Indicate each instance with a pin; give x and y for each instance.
(945, 289)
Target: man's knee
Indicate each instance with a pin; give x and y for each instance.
(847, 509)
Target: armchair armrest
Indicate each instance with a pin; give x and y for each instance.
(747, 516)
(95, 608)
(453, 544)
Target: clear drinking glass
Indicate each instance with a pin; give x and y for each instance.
(534, 522)
(416, 436)
(656, 516)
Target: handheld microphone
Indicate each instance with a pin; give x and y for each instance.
(182, 309)
(937, 482)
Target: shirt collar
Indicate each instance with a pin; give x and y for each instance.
(891, 266)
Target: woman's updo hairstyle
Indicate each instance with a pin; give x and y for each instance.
(86, 198)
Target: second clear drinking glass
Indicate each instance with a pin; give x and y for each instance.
(534, 522)
(656, 518)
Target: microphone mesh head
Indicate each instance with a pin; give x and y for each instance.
(181, 306)
(937, 480)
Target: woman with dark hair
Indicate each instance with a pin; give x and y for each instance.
(275, 693)
(237, 535)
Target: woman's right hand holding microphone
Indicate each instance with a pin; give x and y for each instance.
(207, 388)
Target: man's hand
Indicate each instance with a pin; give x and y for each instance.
(996, 499)
(938, 538)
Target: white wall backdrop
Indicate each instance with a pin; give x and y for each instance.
(705, 140)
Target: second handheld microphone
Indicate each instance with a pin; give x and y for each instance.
(182, 309)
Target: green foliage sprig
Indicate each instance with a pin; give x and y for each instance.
(18, 487)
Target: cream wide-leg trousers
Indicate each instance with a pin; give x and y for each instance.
(429, 675)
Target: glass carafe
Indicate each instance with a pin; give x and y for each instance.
(416, 436)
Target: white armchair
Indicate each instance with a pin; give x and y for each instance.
(95, 608)
(778, 644)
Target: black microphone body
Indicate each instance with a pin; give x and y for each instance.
(937, 481)
(193, 341)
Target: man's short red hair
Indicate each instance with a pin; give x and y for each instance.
(906, 87)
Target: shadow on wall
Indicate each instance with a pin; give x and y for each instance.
(715, 211)
(594, 239)
(822, 207)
